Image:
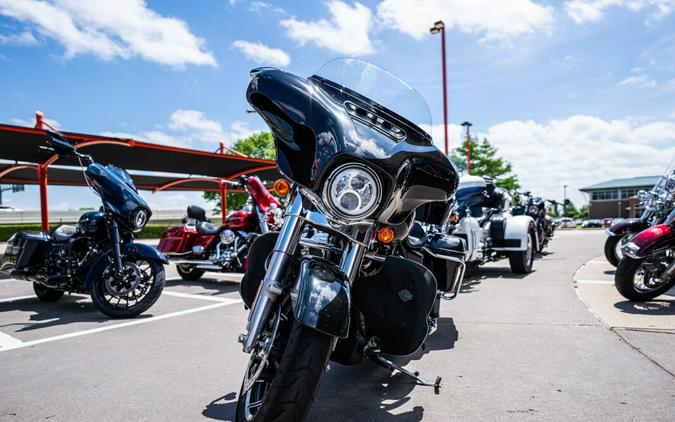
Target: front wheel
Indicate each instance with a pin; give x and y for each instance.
(189, 272)
(46, 294)
(521, 262)
(613, 246)
(286, 388)
(640, 279)
(132, 293)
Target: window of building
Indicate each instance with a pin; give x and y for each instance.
(604, 195)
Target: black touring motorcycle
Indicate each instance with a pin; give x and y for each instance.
(330, 284)
(98, 256)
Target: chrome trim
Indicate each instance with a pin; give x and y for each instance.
(271, 288)
(459, 276)
(305, 241)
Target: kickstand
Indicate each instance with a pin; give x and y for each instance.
(376, 357)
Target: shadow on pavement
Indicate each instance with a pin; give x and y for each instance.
(652, 307)
(223, 408)
(366, 389)
(474, 277)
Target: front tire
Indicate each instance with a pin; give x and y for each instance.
(632, 281)
(288, 396)
(46, 294)
(132, 296)
(189, 272)
(613, 248)
(521, 262)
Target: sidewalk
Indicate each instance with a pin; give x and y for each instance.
(649, 327)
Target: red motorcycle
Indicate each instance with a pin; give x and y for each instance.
(647, 268)
(198, 245)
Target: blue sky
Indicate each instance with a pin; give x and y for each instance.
(572, 92)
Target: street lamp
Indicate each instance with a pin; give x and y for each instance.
(467, 125)
(564, 200)
(439, 27)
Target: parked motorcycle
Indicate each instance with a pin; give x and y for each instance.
(647, 268)
(484, 220)
(657, 203)
(198, 245)
(325, 286)
(537, 208)
(99, 255)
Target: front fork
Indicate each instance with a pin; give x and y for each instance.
(116, 242)
(287, 241)
(270, 288)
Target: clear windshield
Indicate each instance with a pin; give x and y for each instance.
(667, 181)
(380, 86)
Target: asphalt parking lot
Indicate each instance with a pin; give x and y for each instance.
(508, 348)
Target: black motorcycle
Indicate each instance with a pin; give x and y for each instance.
(657, 204)
(537, 208)
(326, 286)
(98, 256)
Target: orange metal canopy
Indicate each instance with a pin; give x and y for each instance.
(205, 171)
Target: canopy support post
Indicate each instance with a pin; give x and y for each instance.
(223, 200)
(44, 209)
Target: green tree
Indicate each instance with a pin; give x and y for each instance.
(583, 212)
(486, 162)
(258, 145)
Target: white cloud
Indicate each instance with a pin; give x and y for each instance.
(191, 129)
(581, 11)
(642, 80)
(581, 150)
(259, 6)
(490, 19)
(25, 38)
(111, 29)
(346, 32)
(263, 54)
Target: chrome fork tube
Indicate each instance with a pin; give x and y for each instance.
(271, 287)
(352, 256)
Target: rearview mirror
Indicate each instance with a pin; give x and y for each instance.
(60, 146)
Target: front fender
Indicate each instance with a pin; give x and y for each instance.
(322, 297)
(140, 250)
(647, 240)
(629, 225)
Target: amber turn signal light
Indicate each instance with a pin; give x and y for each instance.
(282, 187)
(453, 218)
(385, 235)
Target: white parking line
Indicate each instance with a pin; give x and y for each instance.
(17, 298)
(7, 341)
(595, 282)
(17, 344)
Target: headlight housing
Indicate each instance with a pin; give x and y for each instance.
(352, 191)
(138, 219)
(227, 237)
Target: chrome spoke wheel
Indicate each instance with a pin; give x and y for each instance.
(129, 288)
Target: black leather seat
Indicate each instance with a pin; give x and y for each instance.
(63, 233)
(205, 227)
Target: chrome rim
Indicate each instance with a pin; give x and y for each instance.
(130, 289)
(647, 277)
(528, 253)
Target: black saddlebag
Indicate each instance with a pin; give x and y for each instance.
(25, 251)
(395, 304)
(256, 261)
(446, 261)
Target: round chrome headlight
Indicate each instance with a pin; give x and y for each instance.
(352, 191)
(139, 218)
(226, 237)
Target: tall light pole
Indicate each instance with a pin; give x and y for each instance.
(440, 27)
(564, 200)
(467, 125)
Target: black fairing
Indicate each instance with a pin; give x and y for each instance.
(314, 133)
(117, 191)
(93, 224)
